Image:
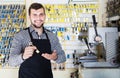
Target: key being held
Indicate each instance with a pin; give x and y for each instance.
(31, 44)
(28, 51)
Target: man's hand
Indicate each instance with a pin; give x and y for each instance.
(52, 56)
(28, 52)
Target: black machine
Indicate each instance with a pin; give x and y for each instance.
(89, 56)
(91, 59)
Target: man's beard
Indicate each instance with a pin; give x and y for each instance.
(37, 26)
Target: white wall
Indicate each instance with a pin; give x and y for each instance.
(102, 12)
(28, 2)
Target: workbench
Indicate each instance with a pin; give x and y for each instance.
(99, 72)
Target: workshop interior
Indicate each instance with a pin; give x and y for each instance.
(88, 30)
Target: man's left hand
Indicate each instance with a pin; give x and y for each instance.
(52, 56)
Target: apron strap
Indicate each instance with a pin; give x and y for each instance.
(31, 38)
(45, 33)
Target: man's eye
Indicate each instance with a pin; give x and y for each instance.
(42, 14)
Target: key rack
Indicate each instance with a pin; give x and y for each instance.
(12, 20)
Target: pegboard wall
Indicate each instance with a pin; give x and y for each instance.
(12, 20)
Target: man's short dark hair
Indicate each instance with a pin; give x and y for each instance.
(35, 6)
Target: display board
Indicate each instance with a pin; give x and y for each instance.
(12, 20)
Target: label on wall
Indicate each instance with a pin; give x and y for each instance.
(51, 1)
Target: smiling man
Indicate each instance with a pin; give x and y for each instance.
(34, 47)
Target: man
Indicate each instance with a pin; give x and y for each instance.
(34, 47)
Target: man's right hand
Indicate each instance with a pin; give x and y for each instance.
(28, 52)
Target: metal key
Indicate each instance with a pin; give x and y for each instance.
(31, 44)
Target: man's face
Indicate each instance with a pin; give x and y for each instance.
(37, 17)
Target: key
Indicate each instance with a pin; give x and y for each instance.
(31, 44)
